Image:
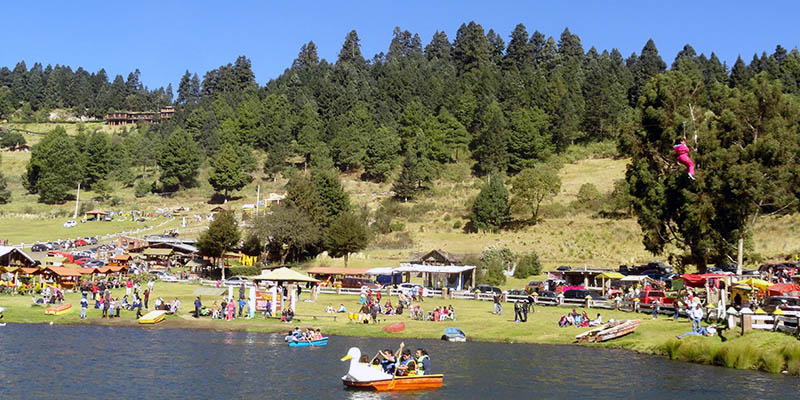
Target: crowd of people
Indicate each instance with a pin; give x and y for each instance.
(580, 320)
(306, 335)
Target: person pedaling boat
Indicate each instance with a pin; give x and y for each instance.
(408, 365)
(423, 362)
(294, 336)
(388, 362)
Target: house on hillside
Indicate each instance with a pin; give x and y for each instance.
(436, 257)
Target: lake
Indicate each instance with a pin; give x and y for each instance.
(78, 362)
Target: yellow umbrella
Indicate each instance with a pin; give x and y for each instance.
(758, 283)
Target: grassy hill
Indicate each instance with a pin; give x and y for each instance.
(565, 236)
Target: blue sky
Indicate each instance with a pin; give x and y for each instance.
(164, 38)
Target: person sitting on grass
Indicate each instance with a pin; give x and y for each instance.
(341, 309)
(597, 321)
(329, 309)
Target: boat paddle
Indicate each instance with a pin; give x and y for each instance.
(309, 341)
(396, 364)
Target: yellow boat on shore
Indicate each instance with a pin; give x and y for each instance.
(58, 309)
(153, 317)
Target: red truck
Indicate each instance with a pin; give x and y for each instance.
(649, 295)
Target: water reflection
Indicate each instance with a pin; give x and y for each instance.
(66, 362)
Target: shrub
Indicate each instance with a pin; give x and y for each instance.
(397, 227)
(553, 210)
(588, 198)
(494, 263)
(142, 189)
(115, 201)
(457, 224)
(244, 271)
(393, 241)
(528, 265)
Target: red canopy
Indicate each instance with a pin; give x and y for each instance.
(698, 280)
(784, 289)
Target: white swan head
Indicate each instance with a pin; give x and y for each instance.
(361, 372)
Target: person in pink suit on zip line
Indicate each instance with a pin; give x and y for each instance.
(682, 153)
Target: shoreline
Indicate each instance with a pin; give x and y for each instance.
(708, 354)
(766, 351)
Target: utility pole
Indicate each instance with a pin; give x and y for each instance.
(258, 197)
(77, 200)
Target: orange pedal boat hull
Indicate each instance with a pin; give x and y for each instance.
(421, 382)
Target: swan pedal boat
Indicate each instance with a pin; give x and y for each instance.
(305, 343)
(363, 376)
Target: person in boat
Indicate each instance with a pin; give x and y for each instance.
(290, 338)
(388, 361)
(423, 362)
(408, 365)
(318, 335)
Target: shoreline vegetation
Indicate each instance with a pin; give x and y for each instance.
(765, 351)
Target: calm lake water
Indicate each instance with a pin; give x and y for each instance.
(79, 362)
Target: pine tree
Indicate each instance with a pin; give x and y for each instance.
(519, 54)
(347, 234)
(227, 172)
(491, 147)
(5, 194)
(646, 66)
(490, 210)
(333, 199)
(97, 159)
(179, 160)
(381, 154)
(222, 234)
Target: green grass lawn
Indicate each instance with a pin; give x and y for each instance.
(30, 230)
(768, 351)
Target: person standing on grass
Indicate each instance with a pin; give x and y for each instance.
(84, 306)
(498, 308)
(146, 298)
(517, 311)
(655, 306)
(242, 304)
(151, 284)
(197, 306)
(525, 306)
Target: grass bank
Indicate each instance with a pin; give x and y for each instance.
(767, 351)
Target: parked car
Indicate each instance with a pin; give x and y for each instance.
(236, 280)
(94, 264)
(517, 292)
(409, 287)
(358, 283)
(534, 286)
(141, 219)
(39, 247)
(53, 245)
(70, 224)
(91, 240)
(564, 268)
(548, 294)
(581, 294)
(487, 289)
(168, 278)
(772, 302)
(80, 242)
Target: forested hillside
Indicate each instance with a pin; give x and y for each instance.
(506, 106)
